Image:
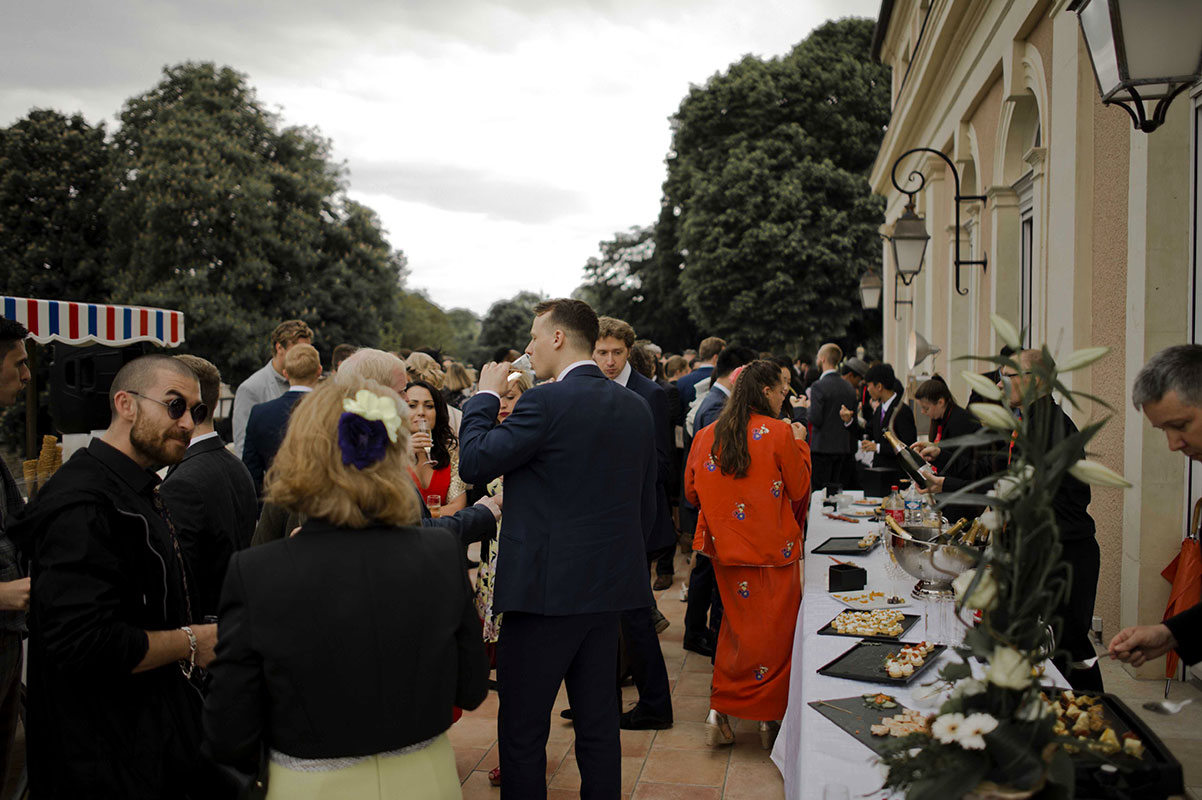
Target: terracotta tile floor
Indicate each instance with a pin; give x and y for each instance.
(656, 765)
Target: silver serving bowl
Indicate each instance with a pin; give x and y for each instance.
(934, 565)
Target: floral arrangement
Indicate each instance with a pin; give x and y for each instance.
(367, 424)
(998, 732)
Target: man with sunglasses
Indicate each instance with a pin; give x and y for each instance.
(113, 631)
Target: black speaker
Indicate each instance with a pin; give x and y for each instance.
(80, 378)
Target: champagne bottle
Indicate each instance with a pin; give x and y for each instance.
(910, 463)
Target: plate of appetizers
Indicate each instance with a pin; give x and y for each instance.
(874, 719)
(884, 662)
(848, 545)
(885, 623)
(871, 600)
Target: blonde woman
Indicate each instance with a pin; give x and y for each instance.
(342, 649)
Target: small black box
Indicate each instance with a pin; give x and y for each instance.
(846, 578)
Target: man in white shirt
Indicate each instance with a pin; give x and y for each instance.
(269, 382)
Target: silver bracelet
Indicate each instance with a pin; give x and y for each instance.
(187, 666)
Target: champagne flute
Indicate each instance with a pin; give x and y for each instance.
(424, 427)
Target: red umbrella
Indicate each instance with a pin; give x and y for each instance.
(1185, 573)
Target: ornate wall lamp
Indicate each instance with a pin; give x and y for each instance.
(870, 290)
(910, 233)
(1144, 53)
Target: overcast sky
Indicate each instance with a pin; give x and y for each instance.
(498, 140)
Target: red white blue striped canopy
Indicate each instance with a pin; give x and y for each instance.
(94, 323)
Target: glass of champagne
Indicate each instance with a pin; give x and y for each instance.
(424, 427)
(434, 504)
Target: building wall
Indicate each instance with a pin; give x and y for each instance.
(1005, 89)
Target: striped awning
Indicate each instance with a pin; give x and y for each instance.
(94, 323)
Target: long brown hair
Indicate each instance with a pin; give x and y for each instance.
(730, 431)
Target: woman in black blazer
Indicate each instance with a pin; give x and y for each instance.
(948, 421)
(342, 649)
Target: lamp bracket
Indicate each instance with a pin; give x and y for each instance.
(959, 198)
(896, 277)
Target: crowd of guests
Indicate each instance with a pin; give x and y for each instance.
(293, 614)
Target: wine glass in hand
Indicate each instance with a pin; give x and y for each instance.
(424, 427)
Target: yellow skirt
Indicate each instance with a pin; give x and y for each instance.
(426, 773)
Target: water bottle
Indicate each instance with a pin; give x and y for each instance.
(913, 504)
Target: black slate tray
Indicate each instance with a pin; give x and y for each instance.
(1157, 775)
(856, 719)
(865, 661)
(844, 546)
(908, 621)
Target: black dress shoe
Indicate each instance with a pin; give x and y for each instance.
(567, 714)
(699, 645)
(636, 719)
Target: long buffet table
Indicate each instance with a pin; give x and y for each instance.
(811, 751)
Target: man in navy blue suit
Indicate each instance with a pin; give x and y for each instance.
(578, 456)
(269, 421)
(639, 626)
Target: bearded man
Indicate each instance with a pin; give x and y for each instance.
(112, 639)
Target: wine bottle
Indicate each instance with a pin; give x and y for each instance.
(910, 464)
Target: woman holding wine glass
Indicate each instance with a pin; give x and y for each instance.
(435, 450)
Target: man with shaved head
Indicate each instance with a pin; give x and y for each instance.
(113, 635)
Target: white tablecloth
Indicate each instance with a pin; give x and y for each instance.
(811, 751)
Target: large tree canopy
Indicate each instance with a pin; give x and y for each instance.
(767, 220)
(507, 324)
(217, 211)
(53, 181)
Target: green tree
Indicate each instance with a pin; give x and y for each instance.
(53, 181)
(507, 324)
(465, 328)
(219, 212)
(419, 322)
(767, 218)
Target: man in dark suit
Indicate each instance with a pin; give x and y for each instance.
(707, 357)
(831, 444)
(578, 456)
(211, 497)
(891, 413)
(704, 601)
(268, 421)
(1169, 392)
(14, 585)
(640, 626)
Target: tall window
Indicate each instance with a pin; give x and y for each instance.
(1026, 255)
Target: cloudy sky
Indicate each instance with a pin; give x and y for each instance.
(499, 140)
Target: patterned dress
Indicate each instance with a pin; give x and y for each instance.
(746, 525)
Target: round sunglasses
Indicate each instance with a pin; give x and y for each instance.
(176, 407)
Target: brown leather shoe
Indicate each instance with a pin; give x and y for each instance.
(662, 582)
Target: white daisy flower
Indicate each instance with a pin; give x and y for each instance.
(971, 732)
(946, 728)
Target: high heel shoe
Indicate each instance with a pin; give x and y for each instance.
(718, 730)
(768, 732)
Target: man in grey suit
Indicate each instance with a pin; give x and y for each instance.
(831, 444)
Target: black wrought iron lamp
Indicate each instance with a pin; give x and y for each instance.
(1144, 52)
(910, 229)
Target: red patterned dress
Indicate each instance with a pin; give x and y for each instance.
(746, 525)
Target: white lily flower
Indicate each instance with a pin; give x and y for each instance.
(993, 416)
(981, 385)
(1088, 471)
(1081, 358)
(1009, 669)
(984, 597)
(992, 520)
(946, 728)
(970, 734)
(1006, 331)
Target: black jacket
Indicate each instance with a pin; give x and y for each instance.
(903, 427)
(956, 422)
(1187, 630)
(828, 395)
(265, 429)
(663, 532)
(211, 497)
(339, 642)
(104, 571)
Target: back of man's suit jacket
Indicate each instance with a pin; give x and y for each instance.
(828, 394)
(663, 534)
(578, 457)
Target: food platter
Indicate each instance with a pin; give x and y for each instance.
(865, 661)
(860, 511)
(904, 622)
(845, 546)
(870, 600)
(857, 717)
(868, 502)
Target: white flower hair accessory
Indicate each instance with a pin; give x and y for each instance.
(373, 407)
